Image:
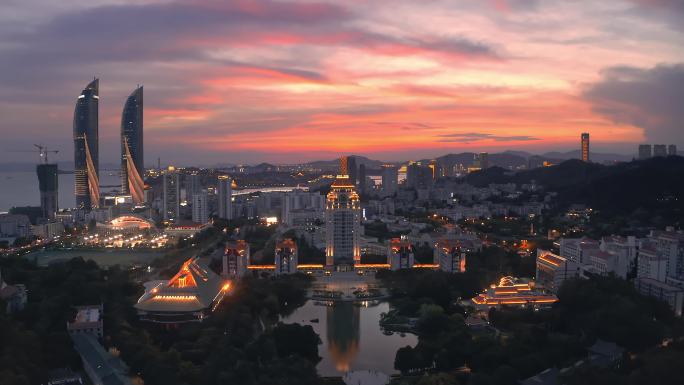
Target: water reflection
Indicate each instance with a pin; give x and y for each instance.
(351, 337)
(343, 332)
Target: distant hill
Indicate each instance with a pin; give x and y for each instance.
(651, 188)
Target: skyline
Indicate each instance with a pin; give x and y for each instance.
(245, 81)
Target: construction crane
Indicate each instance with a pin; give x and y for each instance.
(44, 152)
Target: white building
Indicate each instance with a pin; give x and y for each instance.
(303, 209)
(171, 197)
(286, 259)
(450, 256)
(200, 209)
(225, 197)
(235, 259)
(553, 270)
(14, 225)
(651, 264)
(343, 222)
(576, 249)
(400, 254)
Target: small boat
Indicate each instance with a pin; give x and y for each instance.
(315, 320)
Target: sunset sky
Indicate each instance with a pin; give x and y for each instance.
(287, 81)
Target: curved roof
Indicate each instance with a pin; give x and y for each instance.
(130, 220)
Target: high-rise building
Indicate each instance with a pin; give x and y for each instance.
(343, 221)
(362, 178)
(659, 150)
(353, 170)
(200, 211)
(645, 151)
(171, 198)
(225, 196)
(86, 151)
(194, 184)
(390, 179)
(132, 157)
(585, 147)
(672, 150)
(48, 186)
(484, 160)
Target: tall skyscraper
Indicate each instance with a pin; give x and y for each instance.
(672, 150)
(645, 151)
(171, 197)
(132, 158)
(342, 222)
(225, 196)
(484, 160)
(200, 210)
(194, 184)
(362, 178)
(352, 169)
(390, 179)
(585, 147)
(659, 150)
(86, 151)
(48, 186)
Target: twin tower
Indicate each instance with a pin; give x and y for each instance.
(86, 147)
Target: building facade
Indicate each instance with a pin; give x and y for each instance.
(585, 147)
(235, 259)
(286, 258)
(400, 254)
(225, 197)
(171, 195)
(450, 256)
(200, 209)
(553, 270)
(86, 150)
(342, 222)
(132, 155)
(48, 184)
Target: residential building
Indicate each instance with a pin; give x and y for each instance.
(200, 209)
(14, 226)
(672, 150)
(450, 256)
(225, 197)
(390, 180)
(645, 151)
(286, 258)
(88, 320)
(171, 197)
(576, 249)
(659, 150)
(236, 257)
(400, 254)
(673, 295)
(651, 264)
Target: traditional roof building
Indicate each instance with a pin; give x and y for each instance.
(514, 292)
(190, 296)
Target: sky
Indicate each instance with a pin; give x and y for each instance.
(295, 80)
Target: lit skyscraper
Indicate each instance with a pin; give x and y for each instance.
(132, 158)
(585, 147)
(48, 185)
(171, 198)
(86, 151)
(342, 222)
(225, 196)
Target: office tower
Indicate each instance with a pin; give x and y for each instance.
(342, 222)
(286, 257)
(400, 254)
(132, 158)
(585, 147)
(225, 194)
(484, 160)
(171, 202)
(352, 169)
(659, 150)
(48, 186)
(672, 150)
(362, 178)
(86, 151)
(390, 179)
(200, 211)
(235, 259)
(645, 151)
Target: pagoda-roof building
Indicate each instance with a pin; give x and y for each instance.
(191, 295)
(515, 292)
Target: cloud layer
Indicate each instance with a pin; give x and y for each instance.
(286, 80)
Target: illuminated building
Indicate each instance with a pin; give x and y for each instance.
(513, 292)
(86, 151)
(48, 184)
(130, 223)
(659, 150)
(194, 185)
(171, 198)
(390, 179)
(362, 183)
(132, 156)
(343, 221)
(190, 296)
(200, 210)
(585, 147)
(399, 254)
(235, 259)
(553, 270)
(645, 151)
(450, 256)
(225, 194)
(286, 257)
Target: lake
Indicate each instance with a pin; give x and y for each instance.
(353, 343)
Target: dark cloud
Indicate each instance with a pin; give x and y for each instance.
(468, 137)
(652, 99)
(669, 11)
